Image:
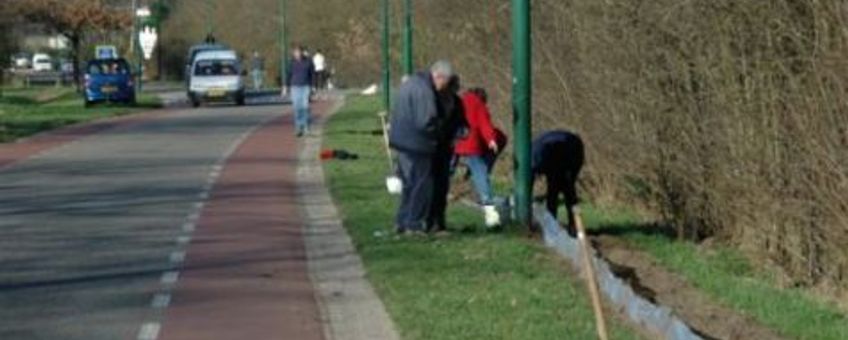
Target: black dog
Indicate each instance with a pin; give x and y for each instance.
(559, 155)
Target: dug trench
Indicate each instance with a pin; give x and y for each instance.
(650, 280)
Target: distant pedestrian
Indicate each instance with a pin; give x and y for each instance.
(480, 147)
(257, 69)
(299, 79)
(320, 62)
(414, 135)
(559, 155)
(451, 126)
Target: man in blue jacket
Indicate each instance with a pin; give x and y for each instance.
(301, 73)
(414, 134)
(558, 155)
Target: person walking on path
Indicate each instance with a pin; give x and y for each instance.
(301, 73)
(452, 125)
(559, 155)
(481, 142)
(320, 62)
(414, 136)
(257, 70)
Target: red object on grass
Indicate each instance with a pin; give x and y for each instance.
(327, 154)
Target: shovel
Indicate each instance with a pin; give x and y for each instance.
(394, 185)
(591, 279)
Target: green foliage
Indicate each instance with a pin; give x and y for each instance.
(160, 11)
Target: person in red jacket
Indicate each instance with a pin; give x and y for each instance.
(480, 141)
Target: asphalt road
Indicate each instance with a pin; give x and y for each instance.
(86, 229)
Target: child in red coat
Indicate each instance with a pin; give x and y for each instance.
(481, 141)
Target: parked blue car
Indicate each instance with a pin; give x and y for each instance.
(109, 80)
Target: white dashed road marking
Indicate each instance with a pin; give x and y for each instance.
(149, 331)
(170, 278)
(178, 257)
(160, 301)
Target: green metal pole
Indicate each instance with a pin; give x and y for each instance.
(284, 44)
(387, 81)
(209, 13)
(408, 65)
(522, 96)
(138, 51)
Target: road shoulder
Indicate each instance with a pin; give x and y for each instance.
(350, 308)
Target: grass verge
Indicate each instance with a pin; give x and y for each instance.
(728, 277)
(471, 285)
(25, 112)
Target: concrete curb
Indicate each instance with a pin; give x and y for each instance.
(654, 318)
(350, 308)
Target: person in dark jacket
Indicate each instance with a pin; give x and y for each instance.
(451, 124)
(559, 155)
(415, 135)
(299, 80)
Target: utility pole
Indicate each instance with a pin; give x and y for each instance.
(210, 11)
(136, 46)
(408, 65)
(134, 33)
(522, 104)
(284, 45)
(387, 80)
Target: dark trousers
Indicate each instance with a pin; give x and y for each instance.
(416, 173)
(563, 186)
(321, 80)
(442, 163)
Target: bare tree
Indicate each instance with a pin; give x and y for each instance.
(7, 42)
(72, 19)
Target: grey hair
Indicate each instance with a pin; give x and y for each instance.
(442, 68)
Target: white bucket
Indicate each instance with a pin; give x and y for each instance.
(491, 216)
(394, 185)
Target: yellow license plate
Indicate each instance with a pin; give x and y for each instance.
(217, 93)
(109, 89)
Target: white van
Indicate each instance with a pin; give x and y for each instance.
(42, 63)
(216, 76)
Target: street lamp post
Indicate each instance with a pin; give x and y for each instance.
(522, 100)
(408, 65)
(134, 44)
(387, 101)
(209, 13)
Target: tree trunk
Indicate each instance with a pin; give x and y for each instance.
(159, 75)
(75, 39)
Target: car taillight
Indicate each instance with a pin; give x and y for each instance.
(87, 80)
(131, 82)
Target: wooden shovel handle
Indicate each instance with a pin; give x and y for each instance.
(589, 271)
(388, 148)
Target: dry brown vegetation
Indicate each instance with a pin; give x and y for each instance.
(344, 29)
(725, 118)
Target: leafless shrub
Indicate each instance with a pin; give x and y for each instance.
(724, 118)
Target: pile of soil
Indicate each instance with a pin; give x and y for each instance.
(706, 317)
